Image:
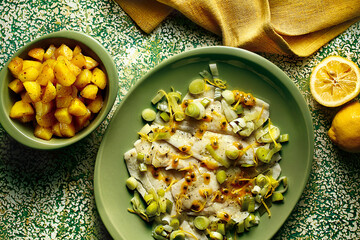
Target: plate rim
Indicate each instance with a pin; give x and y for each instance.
(210, 50)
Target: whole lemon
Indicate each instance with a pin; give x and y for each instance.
(345, 128)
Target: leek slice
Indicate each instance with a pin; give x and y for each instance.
(195, 110)
(217, 158)
(228, 96)
(229, 113)
(197, 86)
(201, 222)
(217, 95)
(265, 154)
(148, 114)
(158, 97)
(267, 134)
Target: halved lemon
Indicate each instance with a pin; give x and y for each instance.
(335, 81)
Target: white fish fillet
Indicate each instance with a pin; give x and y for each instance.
(162, 154)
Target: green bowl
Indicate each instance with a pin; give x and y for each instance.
(24, 133)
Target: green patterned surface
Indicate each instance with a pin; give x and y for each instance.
(49, 194)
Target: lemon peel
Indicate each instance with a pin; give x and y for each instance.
(345, 128)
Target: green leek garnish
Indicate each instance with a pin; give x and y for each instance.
(217, 158)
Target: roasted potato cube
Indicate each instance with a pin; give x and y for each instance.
(20, 109)
(99, 78)
(26, 118)
(16, 85)
(90, 91)
(25, 97)
(43, 108)
(63, 74)
(49, 93)
(32, 63)
(63, 115)
(46, 120)
(90, 63)
(77, 50)
(83, 79)
(95, 105)
(67, 130)
(43, 132)
(62, 91)
(56, 129)
(72, 67)
(46, 75)
(50, 53)
(15, 66)
(37, 53)
(65, 51)
(29, 74)
(77, 107)
(79, 60)
(82, 121)
(51, 62)
(63, 102)
(34, 90)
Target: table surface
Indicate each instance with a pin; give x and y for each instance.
(50, 194)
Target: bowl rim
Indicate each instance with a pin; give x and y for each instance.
(10, 125)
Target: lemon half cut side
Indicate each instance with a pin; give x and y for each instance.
(335, 81)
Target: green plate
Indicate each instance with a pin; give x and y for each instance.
(242, 70)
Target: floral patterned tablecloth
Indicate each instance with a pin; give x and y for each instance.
(50, 194)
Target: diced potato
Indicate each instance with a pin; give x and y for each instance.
(55, 87)
(16, 85)
(90, 63)
(79, 60)
(82, 121)
(26, 118)
(51, 62)
(46, 75)
(63, 102)
(99, 78)
(37, 53)
(20, 109)
(34, 90)
(29, 74)
(72, 67)
(63, 74)
(56, 129)
(50, 53)
(25, 97)
(67, 130)
(65, 51)
(77, 107)
(83, 79)
(43, 132)
(90, 91)
(77, 50)
(43, 108)
(32, 63)
(15, 66)
(49, 93)
(46, 120)
(63, 115)
(95, 105)
(62, 91)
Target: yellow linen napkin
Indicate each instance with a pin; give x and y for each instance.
(276, 26)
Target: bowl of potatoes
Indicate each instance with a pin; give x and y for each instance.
(56, 90)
